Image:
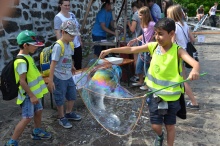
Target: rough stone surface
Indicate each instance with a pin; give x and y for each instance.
(35, 14)
(201, 128)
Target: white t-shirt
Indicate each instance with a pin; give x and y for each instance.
(213, 10)
(59, 18)
(181, 39)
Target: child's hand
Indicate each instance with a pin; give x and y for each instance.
(194, 75)
(34, 100)
(51, 86)
(131, 42)
(73, 70)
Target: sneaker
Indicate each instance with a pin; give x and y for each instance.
(137, 84)
(73, 116)
(65, 123)
(144, 87)
(159, 140)
(189, 105)
(39, 134)
(134, 79)
(11, 143)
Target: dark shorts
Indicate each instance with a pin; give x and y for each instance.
(169, 118)
(64, 89)
(98, 49)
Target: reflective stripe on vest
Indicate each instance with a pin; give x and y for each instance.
(34, 80)
(164, 71)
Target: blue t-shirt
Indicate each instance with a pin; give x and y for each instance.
(103, 16)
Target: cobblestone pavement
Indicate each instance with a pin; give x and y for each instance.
(201, 128)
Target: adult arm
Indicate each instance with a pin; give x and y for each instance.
(57, 24)
(106, 29)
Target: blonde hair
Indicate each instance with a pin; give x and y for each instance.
(175, 12)
(146, 16)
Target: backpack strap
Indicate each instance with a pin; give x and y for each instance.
(24, 58)
(62, 46)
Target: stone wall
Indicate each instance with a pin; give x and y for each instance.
(38, 15)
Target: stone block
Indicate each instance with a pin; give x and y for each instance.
(26, 27)
(10, 26)
(36, 14)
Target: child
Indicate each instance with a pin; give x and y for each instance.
(147, 25)
(61, 83)
(32, 88)
(165, 69)
(182, 31)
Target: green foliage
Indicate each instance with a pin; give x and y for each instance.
(193, 5)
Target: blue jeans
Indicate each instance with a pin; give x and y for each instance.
(28, 108)
(98, 49)
(64, 89)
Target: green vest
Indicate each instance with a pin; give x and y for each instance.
(165, 70)
(34, 80)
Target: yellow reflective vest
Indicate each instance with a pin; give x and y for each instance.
(165, 69)
(34, 80)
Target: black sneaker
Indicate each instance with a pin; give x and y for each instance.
(159, 140)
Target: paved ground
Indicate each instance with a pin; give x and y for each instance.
(200, 129)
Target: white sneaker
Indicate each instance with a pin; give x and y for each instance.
(144, 87)
(137, 84)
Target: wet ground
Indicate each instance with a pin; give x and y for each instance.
(201, 128)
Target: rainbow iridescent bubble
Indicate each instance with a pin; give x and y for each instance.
(114, 107)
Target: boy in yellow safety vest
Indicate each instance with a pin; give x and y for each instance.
(32, 88)
(60, 82)
(165, 69)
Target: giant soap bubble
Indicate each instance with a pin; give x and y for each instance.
(114, 107)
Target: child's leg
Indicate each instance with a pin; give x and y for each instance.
(170, 134)
(157, 128)
(20, 128)
(37, 119)
(27, 115)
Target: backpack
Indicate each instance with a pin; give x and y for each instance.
(45, 57)
(9, 86)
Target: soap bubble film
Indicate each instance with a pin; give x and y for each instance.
(113, 106)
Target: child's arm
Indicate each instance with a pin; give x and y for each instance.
(125, 50)
(51, 85)
(194, 74)
(27, 89)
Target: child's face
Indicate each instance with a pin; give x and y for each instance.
(68, 36)
(30, 48)
(163, 37)
(140, 15)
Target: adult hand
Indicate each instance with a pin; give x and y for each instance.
(104, 53)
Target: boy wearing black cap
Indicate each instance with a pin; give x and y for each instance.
(32, 88)
(61, 83)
